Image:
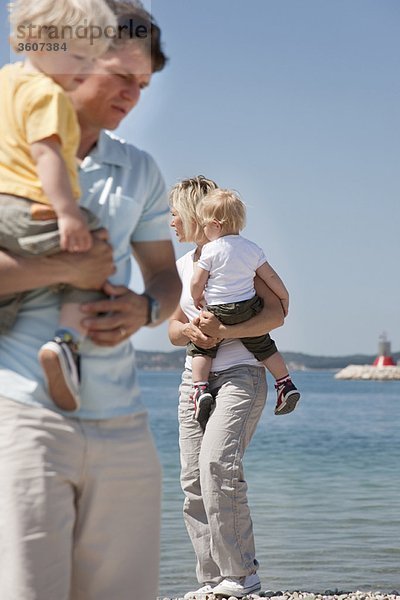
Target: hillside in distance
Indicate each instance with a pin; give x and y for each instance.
(171, 361)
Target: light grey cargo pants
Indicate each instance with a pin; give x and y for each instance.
(216, 511)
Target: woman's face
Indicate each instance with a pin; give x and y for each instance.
(195, 234)
(176, 223)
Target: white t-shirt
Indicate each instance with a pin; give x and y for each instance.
(232, 261)
(231, 352)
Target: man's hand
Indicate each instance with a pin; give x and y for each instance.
(109, 322)
(89, 270)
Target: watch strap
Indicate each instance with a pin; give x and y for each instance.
(149, 306)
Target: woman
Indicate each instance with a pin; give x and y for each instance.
(216, 511)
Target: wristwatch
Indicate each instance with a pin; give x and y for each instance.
(153, 310)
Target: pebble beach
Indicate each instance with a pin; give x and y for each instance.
(326, 595)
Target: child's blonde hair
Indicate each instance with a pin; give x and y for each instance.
(224, 206)
(63, 20)
(184, 197)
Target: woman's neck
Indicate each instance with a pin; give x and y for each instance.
(197, 252)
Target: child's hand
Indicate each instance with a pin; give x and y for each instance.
(74, 233)
(199, 302)
(285, 306)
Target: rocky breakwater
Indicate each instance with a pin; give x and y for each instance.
(369, 372)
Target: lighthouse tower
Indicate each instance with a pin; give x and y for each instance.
(384, 358)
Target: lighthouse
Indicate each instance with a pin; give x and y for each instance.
(384, 358)
(383, 368)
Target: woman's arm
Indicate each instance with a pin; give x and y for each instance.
(275, 283)
(181, 331)
(269, 318)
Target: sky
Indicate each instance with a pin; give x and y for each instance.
(295, 104)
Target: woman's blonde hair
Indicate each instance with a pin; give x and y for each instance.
(224, 206)
(91, 21)
(184, 197)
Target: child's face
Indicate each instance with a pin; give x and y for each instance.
(67, 67)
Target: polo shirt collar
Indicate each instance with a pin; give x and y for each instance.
(106, 151)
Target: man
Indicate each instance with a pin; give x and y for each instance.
(80, 493)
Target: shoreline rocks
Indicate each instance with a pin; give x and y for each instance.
(369, 372)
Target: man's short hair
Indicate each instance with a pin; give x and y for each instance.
(135, 23)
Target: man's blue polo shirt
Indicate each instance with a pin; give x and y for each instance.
(123, 186)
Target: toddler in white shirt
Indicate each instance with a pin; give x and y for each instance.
(224, 279)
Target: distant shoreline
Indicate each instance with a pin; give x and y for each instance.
(296, 361)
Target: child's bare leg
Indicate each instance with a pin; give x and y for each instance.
(201, 366)
(287, 393)
(70, 319)
(276, 366)
(60, 358)
(202, 398)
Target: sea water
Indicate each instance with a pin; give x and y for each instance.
(324, 486)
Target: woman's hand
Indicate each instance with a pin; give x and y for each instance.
(209, 324)
(181, 331)
(194, 334)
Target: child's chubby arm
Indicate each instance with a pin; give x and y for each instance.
(275, 283)
(53, 175)
(197, 285)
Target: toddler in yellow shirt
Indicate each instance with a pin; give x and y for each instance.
(39, 186)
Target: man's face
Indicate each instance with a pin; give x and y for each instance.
(104, 98)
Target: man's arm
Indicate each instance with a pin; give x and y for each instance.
(128, 310)
(156, 261)
(269, 318)
(88, 270)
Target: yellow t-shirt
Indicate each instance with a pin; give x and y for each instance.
(32, 108)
